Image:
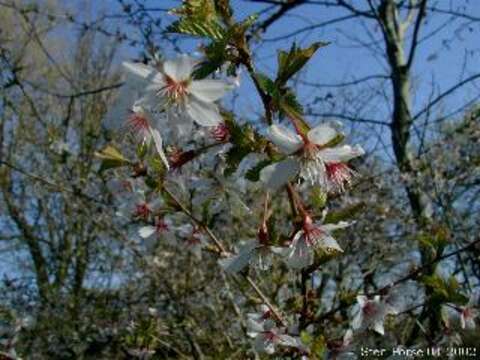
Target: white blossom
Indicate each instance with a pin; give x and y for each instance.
(372, 314)
(310, 158)
(468, 313)
(262, 328)
(252, 253)
(138, 121)
(311, 236)
(173, 90)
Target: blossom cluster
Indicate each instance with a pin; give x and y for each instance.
(165, 101)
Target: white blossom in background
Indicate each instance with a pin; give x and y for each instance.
(252, 253)
(301, 251)
(134, 204)
(262, 328)
(184, 99)
(468, 313)
(193, 239)
(162, 227)
(311, 159)
(462, 317)
(372, 314)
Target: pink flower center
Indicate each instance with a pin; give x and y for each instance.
(339, 174)
(160, 226)
(142, 210)
(266, 315)
(137, 123)
(311, 232)
(220, 133)
(310, 150)
(194, 238)
(176, 90)
(370, 309)
(269, 336)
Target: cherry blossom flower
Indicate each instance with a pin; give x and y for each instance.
(135, 205)
(311, 236)
(193, 239)
(162, 227)
(136, 119)
(173, 90)
(140, 124)
(372, 314)
(252, 253)
(313, 161)
(262, 328)
(468, 313)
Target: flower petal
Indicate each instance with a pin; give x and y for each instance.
(262, 344)
(278, 174)
(341, 153)
(288, 141)
(301, 255)
(254, 327)
(378, 327)
(328, 243)
(146, 231)
(180, 69)
(322, 134)
(357, 320)
(362, 300)
(209, 90)
(140, 73)
(339, 225)
(180, 122)
(157, 140)
(236, 263)
(203, 113)
(287, 340)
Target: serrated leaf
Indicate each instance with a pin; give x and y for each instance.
(198, 27)
(293, 61)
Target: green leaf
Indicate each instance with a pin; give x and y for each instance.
(293, 61)
(343, 214)
(253, 174)
(266, 84)
(234, 156)
(111, 158)
(198, 27)
(444, 290)
(198, 18)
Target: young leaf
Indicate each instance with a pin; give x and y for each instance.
(198, 27)
(290, 63)
(198, 18)
(253, 174)
(111, 158)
